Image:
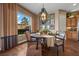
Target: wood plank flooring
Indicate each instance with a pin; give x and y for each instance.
(24, 50)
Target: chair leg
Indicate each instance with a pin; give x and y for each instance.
(63, 47)
(57, 51)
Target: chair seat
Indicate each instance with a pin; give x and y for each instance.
(58, 42)
(33, 39)
(59, 36)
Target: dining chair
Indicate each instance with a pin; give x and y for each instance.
(44, 47)
(28, 36)
(32, 38)
(59, 41)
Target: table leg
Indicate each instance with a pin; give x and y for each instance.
(37, 43)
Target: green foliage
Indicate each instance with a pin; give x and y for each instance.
(50, 33)
(70, 14)
(20, 31)
(24, 20)
(45, 30)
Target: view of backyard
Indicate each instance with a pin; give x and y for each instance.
(23, 21)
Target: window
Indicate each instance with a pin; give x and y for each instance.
(50, 24)
(23, 21)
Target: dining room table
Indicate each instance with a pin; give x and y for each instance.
(39, 36)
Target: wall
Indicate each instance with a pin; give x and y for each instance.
(56, 20)
(38, 22)
(60, 20)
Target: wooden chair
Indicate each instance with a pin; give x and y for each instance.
(59, 41)
(44, 48)
(28, 36)
(32, 38)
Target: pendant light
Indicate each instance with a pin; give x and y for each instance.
(43, 15)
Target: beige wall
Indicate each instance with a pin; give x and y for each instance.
(60, 20)
(1, 23)
(38, 24)
(57, 20)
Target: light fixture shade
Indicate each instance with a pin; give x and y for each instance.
(43, 15)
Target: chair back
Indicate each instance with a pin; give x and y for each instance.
(28, 35)
(59, 39)
(61, 35)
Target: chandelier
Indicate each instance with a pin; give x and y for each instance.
(43, 15)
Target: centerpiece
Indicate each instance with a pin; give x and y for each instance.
(44, 31)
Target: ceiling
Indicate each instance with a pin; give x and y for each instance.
(50, 7)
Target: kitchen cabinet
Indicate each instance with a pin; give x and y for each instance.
(71, 28)
(68, 22)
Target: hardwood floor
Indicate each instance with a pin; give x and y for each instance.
(24, 50)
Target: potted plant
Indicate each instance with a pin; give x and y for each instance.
(44, 31)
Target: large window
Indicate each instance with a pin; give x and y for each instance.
(23, 21)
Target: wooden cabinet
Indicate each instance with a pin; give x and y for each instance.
(71, 22)
(71, 32)
(68, 34)
(74, 22)
(72, 35)
(68, 22)
(71, 28)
